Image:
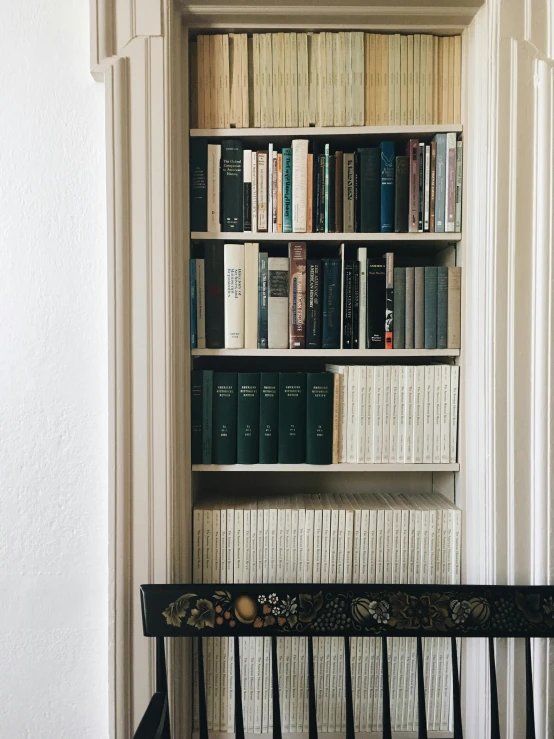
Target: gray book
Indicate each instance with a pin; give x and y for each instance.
(398, 336)
(410, 294)
(419, 308)
(431, 275)
(440, 186)
(442, 306)
(348, 192)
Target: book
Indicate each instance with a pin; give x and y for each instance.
(215, 301)
(427, 187)
(279, 193)
(319, 417)
(248, 417)
(399, 337)
(369, 189)
(207, 415)
(199, 185)
(310, 195)
(224, 418)
(442, 307)
(387, 186)
(292, 418)
(339, 181)
(326, 188)
(331, 296)
(431, 288)
(251, 295)
(332, 193)
(412, 151)
(297, 295)
(401, 195)
(389, 300)
(232, 185)
(410, 308)
(233, 264)
(453, 338)
(459, 170)
(254, 198)
(356, 306)
(440, 182)
(270, 168)
(299, 184)
(200, 305)
(450, 177)
(196, 417)
(213, 189)
(287, 190)
(278, 303)
(421, 187)
(314, 270)
(348, 192)
(362, 302)
(262, 190)
(269, 418)
(192, 309)
(263, 290)
(347, 297)
(432, 186)
(376, 302)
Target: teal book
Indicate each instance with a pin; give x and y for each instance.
(399, 333)
(287, 190)
(196, 416)
(248, 417)
(207, 415)
(292, 418)
(442, 307)
(269, 418)
(192, 283)
(430, 322)
(225, 418)
(319, 417)
(326, 186)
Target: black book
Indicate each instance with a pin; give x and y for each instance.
(292, 418)
(348, 302)
(247, 205)
(331, 305)
(421, 186)
(232, 185)
(248, 417)
(213, 278)
(269, 417)
(313, 303)
(356, 306)
(316, 184)
(224, 448)
(375, 319)
(331, 193)
(321, 197)
(196, 416)
(369, 189)
(319, 418)
(402, 195)
(357, 201)
(199, 185)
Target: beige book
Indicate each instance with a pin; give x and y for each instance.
(371, 79)
(391, 75)
(417, 70)
(445, 101)
(451, 80)
(423, 79)
(435, 79)
(361, 78)
(440, 81)
(303, 79)
(404, 80)
(312, 89)
(200, 91)
(410, 80)
(209, 80)
(268, 80)
(257, 80)
(318, 41)
(366, 77)
(337, 395)
(453, 331)
(263, 79)
(342, 79)
(235, 67)
(384, 64)
(397, 82)
(193, 76)
(430, 81)
(245, 74)
(219, 81)
(329, 77)
(348, 78)
(226, 92)
(275, 98)
(281, 79)
(335, 76)
(250, 72)
(457, 79)
(294, 78)
(288, 83)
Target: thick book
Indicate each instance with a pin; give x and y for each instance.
(263, 294)
(362, 302)
(192, 307)
(339, 182)
(399, 336)
(442, 307)
(419, 308)
(278, 303)
(431, 276)
(200, 305)
(215, 302)
(376, 300)
(224, 418)
(319, 417)
(348, 193)
(330, 300)
(232, 186)
(248, 417)
(196, 416)
(297, 295)
(410, 307)
(369, 189)
(389, 299)
(347, 297)
(440, 182)
(314, 273)
(199, 185)
(401, 195)
(262, 191)
(310, 195)
(292, 418)
(247, 189)
(454, 308)
(320, 217)
(412, 151)
(387, 186)
(269, 417)
(207, 415)
(299, 184)
(356, 306)
(287, 190)
(233, 264)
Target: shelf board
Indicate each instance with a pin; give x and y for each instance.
(454, 467)
(411, 131)
(360, 353)
(335, 238)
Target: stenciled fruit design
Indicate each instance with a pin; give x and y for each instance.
(361, 610)
(480, 611)
(246, 609)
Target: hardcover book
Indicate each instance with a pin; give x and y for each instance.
(401, 195)
(348, 192)
(269, 417)
(442, 307)
(248, 417)
(348, 294)
(376, 301)
(225, 418)
(369, 192)
(331, 303)
(431, 276)
(313, 304)
(287, 190)
(412, 150)
(263, 294)
(297, 295)
(233, 262)
(399, 337)
(199, 185)
(319, 418)
(196, 416)
(389, 299)
(278, 303)
(292, 418)
(215, 299)
(387, 186)
(207, 415)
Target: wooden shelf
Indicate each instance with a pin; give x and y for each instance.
(360, 353)
(411, 131)
(393, 467)
(336, 238)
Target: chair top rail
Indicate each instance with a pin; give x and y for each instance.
(318, 609)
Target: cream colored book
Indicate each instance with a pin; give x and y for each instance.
(335, 77)
(397, 81)
(348, 78)
(256, 65)
(379, 95)
(443, 80)
(275, 97)
(384, 57)
(417, 70)
(312, 88)
(279, 53)
(362, 82)
(235, 70)
(329, 78)
(451, 87)
(391, 75)
(219, 82)
(304, 78)
(371, 83)
(423, 80)
(366, 77)
(410, 45)
(199, 82)
(430, 82)
(341, 71)
(244, 74)
(288, 83)
(263, 79)
(457, 79)
(193, 85)
(268, 89)
(226, 91)
(320, 68)
(249, 103)
(435, 118)
(294, 78)
(211, 79)
(404, 80)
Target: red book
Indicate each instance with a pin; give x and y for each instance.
(389, 298)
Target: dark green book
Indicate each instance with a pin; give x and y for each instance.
(232, 186)
(319, 418)
(292, 418)
(198, 184)
(269, 417)
(225, 418)
(248, 417)
(431, 307)
(399, 334)
(207, 415)
(330, 302)
(442, 307)
(196, 416)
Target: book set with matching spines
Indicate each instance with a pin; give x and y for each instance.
(311, 187)
(284, 80)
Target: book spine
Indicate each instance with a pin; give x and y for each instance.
(310, 195)
(362, 409)
(428, 416)
(445, 414)
(313, 306)
(254, 192)
(225, 418)
(410, 306)
(269, 417)
(356, 306)
(336, 417)
(297, 295)
(214, 166)
(192, 310)
(459, 184)
(394, 413)
(454, 339)
(431, 307)
(326, 189)
(389, 300)
(437, 396)
(419, 308)
(387, 186)
(274, 188)
(442, 307)
(231, 190)
(233, 258)
(409, 416)
(419, 414)
(421, 188)
(399, 338)
(270, 163)
(299, 184)
(376, 304)
(352, 415)
(368, 190)
(215, 300)
(262, 301)
(279, 193)
(200, 305)
(199, 185)
(433, 186)
(369, 415)
(450, 208)
(251, 295)
(413, 154)
(287, 190)
(196, 416)
(332, 193)
(278, 303)
(319, 418)
(401, 195)
(348, 305)
(330, 325)
(322, 191)
(262, 190)
(292, 418)
(378, 399)
(454, 401)
(427, 194)
(362, 282)
(248, 417)
(440, 183)
(348, 193)
(207, 416)
(339, 180)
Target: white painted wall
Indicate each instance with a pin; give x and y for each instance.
(53, 377)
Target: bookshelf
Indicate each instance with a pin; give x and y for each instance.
(273, 468)
(327, 131)
(318, 353)
(406, 239)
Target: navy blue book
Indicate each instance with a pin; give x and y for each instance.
(387, 186)
(330, 326)
(199, 185)
(193, 333)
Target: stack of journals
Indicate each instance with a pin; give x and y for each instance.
(340, 538)
(349, 414)
(307, 187)
(324, 79)
(242, 298)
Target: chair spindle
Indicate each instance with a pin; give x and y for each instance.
(529, 701)
(495, 720)
(202, 709)
(421, 712)
(458, 730)
(312, 712)
(387, 726)
(349, 703)
(275, 690)
(239, 720)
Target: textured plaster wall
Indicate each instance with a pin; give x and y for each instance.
(53, 382)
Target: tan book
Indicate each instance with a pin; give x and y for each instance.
(294, 79)
(359, 78)
(235, 69)
(257, 80)
(430, 81)
(341, 80)
(397, 81)
(417, 69)
(435, 79)
(279, 193)
(226, 92)
(329, 77)
(451, 87)
(423, 79)
(310, 194)
(366, 76)
(318, 40)
(209, 80)
(403, 80)
(337, 396)
(288, 83)
(263, 79)
(335, 76)
(440, 81)
(281, 79)
(251, 95)
(410, 80)
(457, 79)
(219, 81)
(302, 42)
(391, 76)
(276, 100)
(312, 89)
(245, 76)
(268, 80)
(378, 80)
(385, 80)
(371, 85)
(193, 76)
(348, 72)
(200, 81)
(454, 330)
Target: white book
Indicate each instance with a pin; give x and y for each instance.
(437, 395)
(251, 296)
(427, 197)
(299, 184)
(353, 415)
(402, 409)
(450, 178)
(278, 302)
(254, 180)
(292, 576)
(369, 414)
(340, 63)
(445, 414)
(326, 644)
(409, 415)
(233, 268)
(454, 393)
(329, 104)
(362, 409)
(207, 577)
(230, 568)
(214, 163)
(216, 539)
(336, 63)
(270, 163)
(419, 414)
(378, 397)
(394, 413)
(362, 259)
(417, 63)
(428, 414)
(264, 513)
(261, 190)
(387, 394)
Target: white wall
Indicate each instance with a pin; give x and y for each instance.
(53, 377)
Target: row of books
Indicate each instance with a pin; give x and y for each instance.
(351, 414)
(243, 298)
(344, 537)
(306, 187)
(324, 79)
